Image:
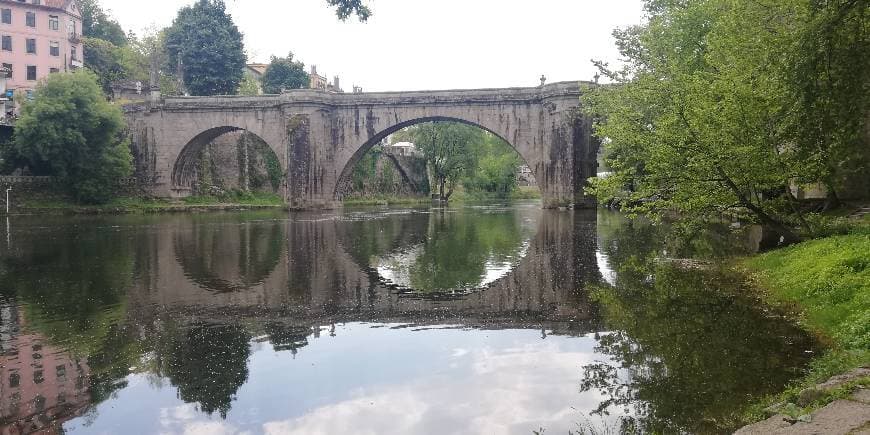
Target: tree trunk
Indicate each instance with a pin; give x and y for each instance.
(788, 236)
(832, 200)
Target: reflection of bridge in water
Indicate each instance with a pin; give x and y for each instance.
(320, 276)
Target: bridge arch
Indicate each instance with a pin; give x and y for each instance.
(184, 169)
(344, 178)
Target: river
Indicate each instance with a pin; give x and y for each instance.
(500, 318)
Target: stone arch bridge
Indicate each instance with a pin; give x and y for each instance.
(319, 136)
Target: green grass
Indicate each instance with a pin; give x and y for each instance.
(236, 198)
(134, 204)
(386, 200)
(828, 282)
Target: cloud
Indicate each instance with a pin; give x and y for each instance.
(513, 391)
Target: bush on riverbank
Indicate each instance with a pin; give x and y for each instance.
(828, 280)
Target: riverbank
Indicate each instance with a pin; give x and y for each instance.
(134, 205)
(826, 282)
(459, 196)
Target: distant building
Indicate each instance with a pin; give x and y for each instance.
(257, 69)
(130, 91)
(406, 149)
(37, 38)
(318, 81)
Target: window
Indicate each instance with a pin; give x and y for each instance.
(7, 43)
(61, 372)
(38, 377)
(54, 48)
(71, 27)
(31, 72)
(8, 66)
(30, 19)
(53, 22)
(31, 46)
(53, 70)
(14, 380)
(74, 53)
(6, 16)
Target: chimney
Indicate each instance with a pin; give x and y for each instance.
(335, 83)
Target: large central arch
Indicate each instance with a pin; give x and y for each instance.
(345, 175)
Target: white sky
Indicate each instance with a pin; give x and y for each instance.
(422, 44)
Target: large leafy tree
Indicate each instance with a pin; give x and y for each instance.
(827, 72)
(284, 73)
(698, 120)
(69, 131)
(96, 23)
(209, 45)
(449, 150)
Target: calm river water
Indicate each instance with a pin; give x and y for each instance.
(488, 319)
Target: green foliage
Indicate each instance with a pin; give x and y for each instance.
(826, 75)
(96, 23)
(236, 197)
(496, 171)
(71, 132)
(346, 8)
(284, 73)
(209, 45)
(449, 150)
(698, 121)
(829, 279)
(249, 86)
(208, 363)
(106, 60)
(674, 329)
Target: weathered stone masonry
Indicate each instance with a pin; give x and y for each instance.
(318, 136)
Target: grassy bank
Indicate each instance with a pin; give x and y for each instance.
(827, 282)
(459, 196)
(151, 205)
(387, 200)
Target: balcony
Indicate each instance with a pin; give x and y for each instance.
(75, 63)
(75, 38)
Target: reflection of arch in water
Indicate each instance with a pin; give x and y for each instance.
(442, 253)
(258, 251)
(342, 186)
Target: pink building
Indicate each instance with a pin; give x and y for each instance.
(41, 386)
(38, 37)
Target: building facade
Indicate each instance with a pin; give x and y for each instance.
(37, 38)
(317, 81)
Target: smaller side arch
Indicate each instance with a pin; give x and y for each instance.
(184, 170)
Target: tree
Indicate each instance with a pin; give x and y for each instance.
(686, 132)
(827, 74)
(209, 45)
(448, 149)
(284, 73)
(346, 8)
(249, 85)
(106, 60)
(723, 106)
(69, 131)
(96, 23)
